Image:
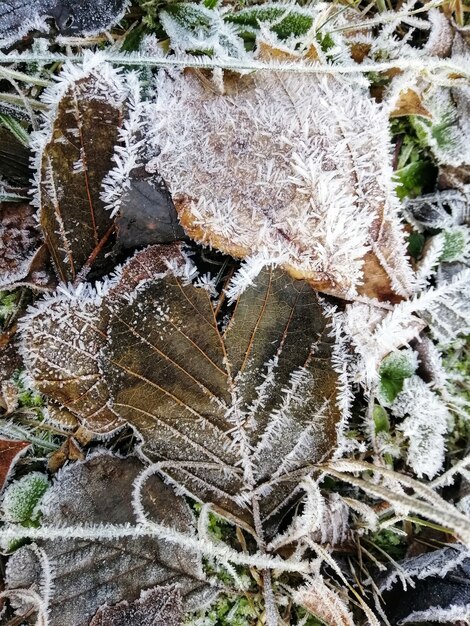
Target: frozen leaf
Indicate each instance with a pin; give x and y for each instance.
(9, 452)
(236, 418)
(86, 574)
(61, 338)
(62, 335)
(440, 592)
(73, 158)
(23, 258)
(18, 17)
(194, 27)
(424, 427)
(21, 499)
(87, 17)
(324, 603)
(286, 168)
(159, 606)
(409, 103)
(286, 20)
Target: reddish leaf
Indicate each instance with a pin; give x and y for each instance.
(9, 452)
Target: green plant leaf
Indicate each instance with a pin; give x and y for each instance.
(283, 19)
(394, 369)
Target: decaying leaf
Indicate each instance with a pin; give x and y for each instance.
(159, 606)
(440, 592)
(146, 214)
(61, 339)
(23, 258)
(409, 103)
(86, 574)
(73, 158)
(235, 418)
(18, 17)
(286, 168)
(9, 452)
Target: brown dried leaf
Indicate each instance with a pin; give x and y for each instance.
(9, 452)
(324, 603)
(63, 334)
(160, 606)
(409, 103)
(90, 573)
(304, 182)
(23, 258)
(61, 339)
(227, 415)
(73, 163)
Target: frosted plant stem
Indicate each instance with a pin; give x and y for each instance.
(12, 75)
(272, 616)
(425, 65)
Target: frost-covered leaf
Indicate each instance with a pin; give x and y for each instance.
(62, 335)
(234, 418)
(23, 257)
(286, 20)
(61, 338)
(10, 450)
(74, 156)
(194, 27)
(76, 577)
(440, 593)
(18, 17)
(22, 496)
(159, 606)
(287, 168)
(324, 603)
(425, 426)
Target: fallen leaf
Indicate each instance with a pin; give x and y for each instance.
(409, 103)
(68, 451)
(160, 606)
(75, 158)
(440, 591)
(236, 418)
(324, 603)
(289, 168)
(147, 214)
(18, 17)
(62, 335)
(61, 338)
(87, 573)
(23, 258)
(9, 452)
